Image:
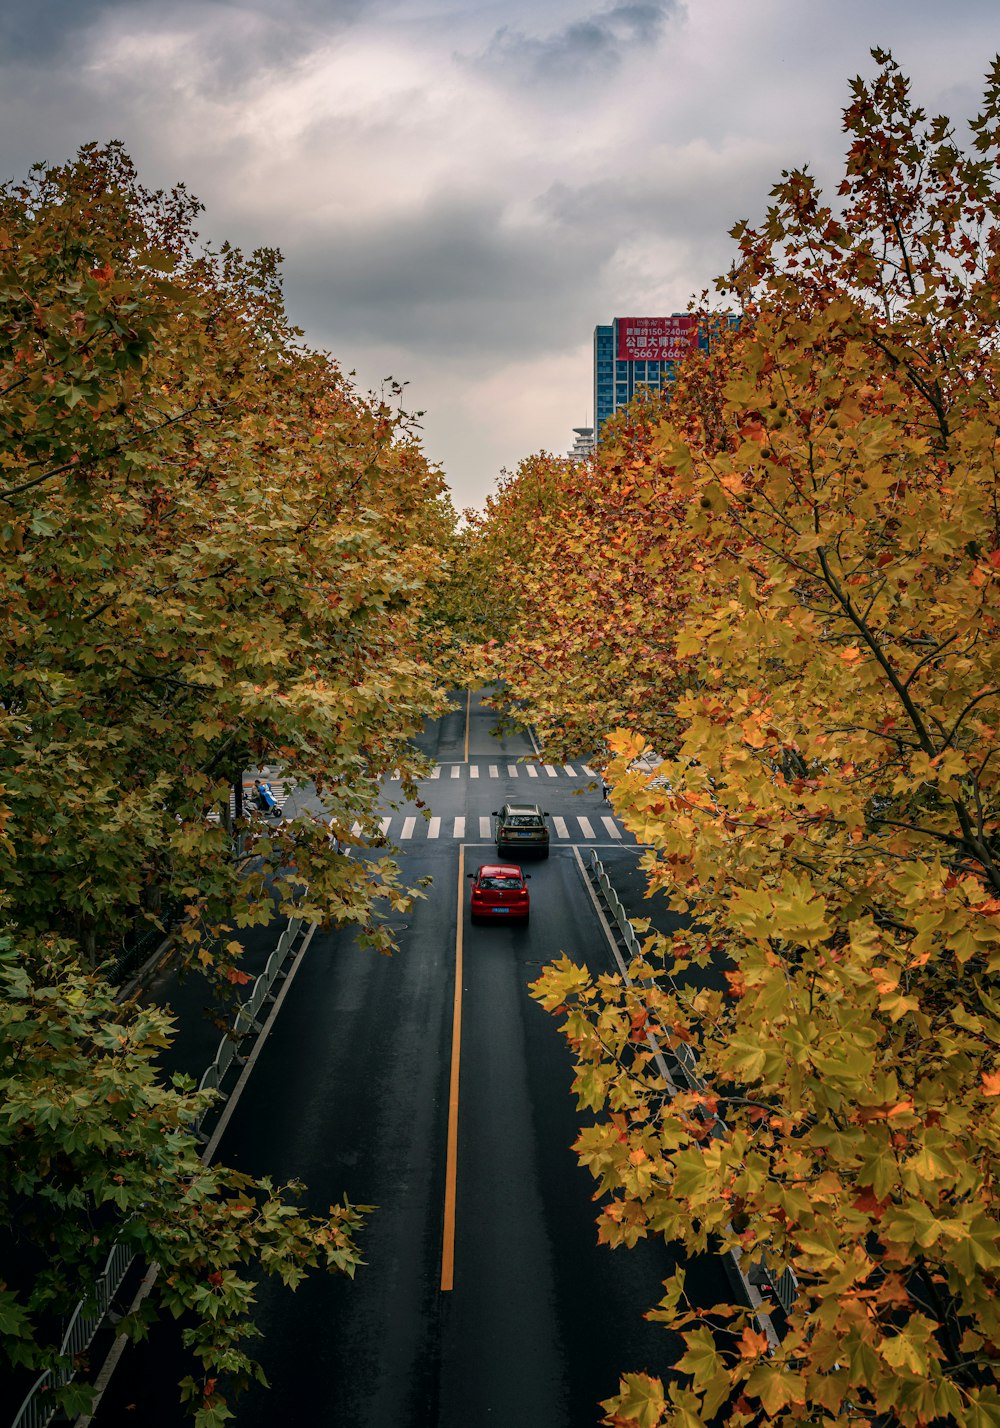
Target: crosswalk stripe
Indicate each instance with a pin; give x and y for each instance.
(436, 771)
(456, 772)
(512, 770)
(550, 769)
(494, 771)
(570, 770)
(589, 771)
(532, 771)
(473, 770)
(434, 825)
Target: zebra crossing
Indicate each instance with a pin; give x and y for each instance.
(503, 770)
(568, 829)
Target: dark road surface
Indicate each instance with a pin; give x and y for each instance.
(350, 1094)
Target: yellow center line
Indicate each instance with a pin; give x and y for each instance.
(468, 707)
(451, 1163)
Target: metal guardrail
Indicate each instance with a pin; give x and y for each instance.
(758, 1275)
(246, 1017)
(39, 1408)
(685, 1058)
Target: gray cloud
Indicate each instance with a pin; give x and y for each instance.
(579, 50)
(44, 32)
(453, 281)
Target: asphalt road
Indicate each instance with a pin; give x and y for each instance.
(350, 1094)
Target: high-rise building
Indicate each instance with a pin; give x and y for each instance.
(635, 354)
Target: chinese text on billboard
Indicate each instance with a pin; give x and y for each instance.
(656, 339)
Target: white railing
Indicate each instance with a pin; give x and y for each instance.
(785, 1286)
(686, 1059)
(39, 1407)
(245, 1021)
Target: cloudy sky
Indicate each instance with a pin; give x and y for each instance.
(463, 189)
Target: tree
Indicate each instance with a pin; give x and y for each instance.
(831, 820)
(583, 594)
(212, 552)
(97, 1149)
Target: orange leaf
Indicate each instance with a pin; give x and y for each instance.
(752, 1344)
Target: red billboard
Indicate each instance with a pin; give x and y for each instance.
(656, 339)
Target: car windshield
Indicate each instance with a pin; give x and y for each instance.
(500, 884)
(523, 820)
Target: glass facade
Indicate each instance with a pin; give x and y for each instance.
(604, 375)
(617, 380)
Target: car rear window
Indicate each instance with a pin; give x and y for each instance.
(523, 820)
(501, 884)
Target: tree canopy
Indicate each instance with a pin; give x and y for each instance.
(214, 553)
(814, 515)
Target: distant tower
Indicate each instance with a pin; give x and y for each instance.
(583, 446)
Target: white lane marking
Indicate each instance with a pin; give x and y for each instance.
(512, 770)
(395, 775)
(532, 771)
(550, 769)
(494, 771)
(384, 825)
(485, 830)
(355, 830)
(473, 770)
(589, 771)
(434, 828)
(585, 826)
(459, 828)
(559, 824)
(436, 771)
(456, 771)
(408, 826)
(570, 770)
(612, 827)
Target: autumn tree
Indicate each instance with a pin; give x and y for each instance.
(213, 553)
(583, 596)
(831, 821)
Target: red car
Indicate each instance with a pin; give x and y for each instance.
(499, 890)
